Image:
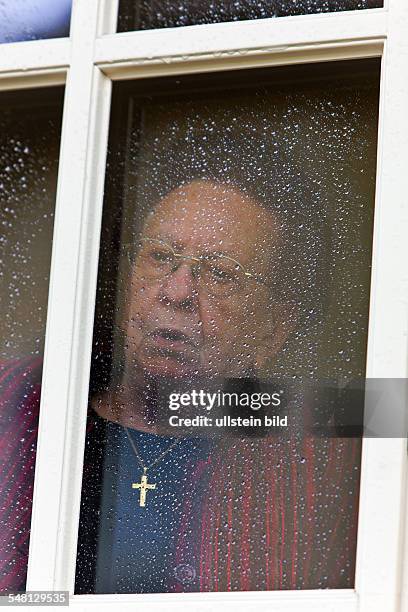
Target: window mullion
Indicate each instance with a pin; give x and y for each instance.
(36, 63)
(264, 42)
(54, 514)
(108, 16)
(384, 461)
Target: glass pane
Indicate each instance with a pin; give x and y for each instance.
(34, 19)
(29, 147)
(147, 15)
(234, 264)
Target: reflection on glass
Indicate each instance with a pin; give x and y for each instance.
(34, 19)
(29, 147)
(235, 259)
(147, 15)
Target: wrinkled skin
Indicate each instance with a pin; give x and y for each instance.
(173, 326)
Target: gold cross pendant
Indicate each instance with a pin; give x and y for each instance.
(143, 486)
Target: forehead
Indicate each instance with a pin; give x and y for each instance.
(210, 216)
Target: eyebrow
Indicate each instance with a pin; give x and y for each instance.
(177, 244)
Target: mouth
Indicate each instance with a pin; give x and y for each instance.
(171, 346)
(167, 337)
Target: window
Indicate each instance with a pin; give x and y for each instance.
(34, 19)
(90, 61)
(141, 15)
(29, 151)
(279, 175)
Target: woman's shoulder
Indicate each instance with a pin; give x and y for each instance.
(20, 389)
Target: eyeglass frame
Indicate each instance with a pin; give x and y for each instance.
(179, 256)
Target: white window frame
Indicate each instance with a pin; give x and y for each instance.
(87, 63)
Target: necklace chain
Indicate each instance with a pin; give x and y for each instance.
(159, 458)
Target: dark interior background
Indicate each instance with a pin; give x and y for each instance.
(308, 137)
(30, 130)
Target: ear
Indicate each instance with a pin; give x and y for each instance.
(281, 322)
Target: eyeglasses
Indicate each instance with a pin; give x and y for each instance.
(219, 274)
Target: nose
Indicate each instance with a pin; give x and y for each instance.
(178, 288)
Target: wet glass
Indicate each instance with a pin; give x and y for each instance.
(34, 19)
(234, 271)
(29, 148)
(148, 15)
